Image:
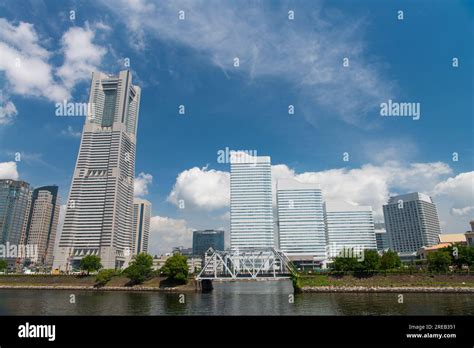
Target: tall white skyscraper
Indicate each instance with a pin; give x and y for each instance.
(141, 225)
(99, 211)
(349, 227)
(411, 221)
(251, 212)
(301, 232)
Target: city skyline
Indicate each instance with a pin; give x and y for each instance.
(362, 159)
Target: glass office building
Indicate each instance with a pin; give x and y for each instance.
(14, 196)
(203, 240)
(348, 227)
(301, 233)
(251, 211)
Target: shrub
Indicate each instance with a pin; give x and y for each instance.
(105, 276)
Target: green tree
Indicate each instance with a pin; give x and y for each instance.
(371, 261)
(90, 263)
(439, 261)
(345, 264)
(140, 269)
(390, 260)
(461, 255)
(104, 276)
(176, 268)
(3, 265)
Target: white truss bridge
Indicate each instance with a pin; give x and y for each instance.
(255, 263)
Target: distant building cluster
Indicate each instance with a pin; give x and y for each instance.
(312, 231)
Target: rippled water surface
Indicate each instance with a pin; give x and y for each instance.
(239, 298)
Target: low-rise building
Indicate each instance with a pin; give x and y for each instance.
(194, 264)
(159, 261)
(452, 238)
(423, 252)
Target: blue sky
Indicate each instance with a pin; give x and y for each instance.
(282, 62)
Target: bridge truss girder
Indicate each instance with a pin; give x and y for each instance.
(251, 263)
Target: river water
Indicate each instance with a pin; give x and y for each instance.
(236, 298)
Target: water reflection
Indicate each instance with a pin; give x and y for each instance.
(239, 298)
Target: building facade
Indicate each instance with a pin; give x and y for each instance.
(205, 239)
(14, 198)
(381, 236)
(251, 212)
(41, 224)
(99, 210)
(141, 225)
(301, 232)
(349, 227)
(412, 222)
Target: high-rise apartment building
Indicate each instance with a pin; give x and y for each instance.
(99, 210)
(251, 212)
(41, 224)
(411, 221)
(141, 225)
(348, 227)
(203, 240)
(301, 232)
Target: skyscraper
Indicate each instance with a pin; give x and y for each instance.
(99, 211)
(141, 225)
(349, 227)
(251, 212)
(381, 236)
(301, 232)
(14, 196)
(203, 240)
(41, 224)
(411, 221)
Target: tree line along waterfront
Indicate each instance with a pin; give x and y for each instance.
(446, 268)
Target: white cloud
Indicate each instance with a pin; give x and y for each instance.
(70, 132)
(8, 170)
(201, 188)
(27, 68)
(141, 184)
(368, 185)
(463, 211)
(306, 52)
(166, 233)
(81, 55)
(25, 62)
(459, 191)
(7, 112)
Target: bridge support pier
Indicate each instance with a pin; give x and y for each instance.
(204, 285)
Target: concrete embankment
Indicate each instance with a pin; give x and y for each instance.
(377, 289)
(92, 288)
(88, 283)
